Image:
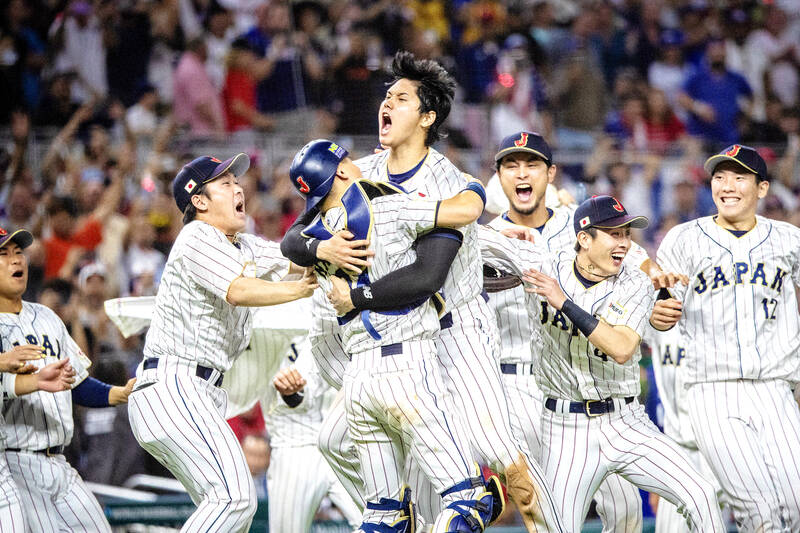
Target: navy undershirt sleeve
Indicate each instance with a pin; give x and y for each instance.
(300, 250)
(91, 393)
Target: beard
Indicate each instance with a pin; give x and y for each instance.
(525, 211)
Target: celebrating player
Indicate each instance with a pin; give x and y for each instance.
(410, 117)
(394, 395)
(588, 370)
(741, 321)
(39, 425)
(201, 323)
(525, 168)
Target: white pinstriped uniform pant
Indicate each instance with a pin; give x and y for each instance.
(398, 405)
(618, 501)
(180, 420)
(11, 518)
(578, 452)
(749, 431)
(53, 495)
(297, 480)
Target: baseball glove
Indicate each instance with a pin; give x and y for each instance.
(495, 280)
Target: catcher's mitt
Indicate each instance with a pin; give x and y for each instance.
(496, 280)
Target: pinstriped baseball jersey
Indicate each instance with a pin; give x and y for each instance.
(740, 307)
(40, 419)
(571, 368)
(669, 366)
(516, 330)
(438, 178)
(298, 426)
(200, 268)
(398, 219)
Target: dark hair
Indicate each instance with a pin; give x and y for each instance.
(190, 213)
(60, 286)
(436, 88)
(592, 233)
(62, 203)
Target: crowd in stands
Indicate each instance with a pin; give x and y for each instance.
(632, 95)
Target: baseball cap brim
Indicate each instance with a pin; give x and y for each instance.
(237, 164)
(712, 162)
(22, 237)
(514, 149)
(638, 222)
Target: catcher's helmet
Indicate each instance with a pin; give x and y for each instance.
(313, 169)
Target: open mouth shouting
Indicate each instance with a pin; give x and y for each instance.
(617, 258)
(239, 207)
(385, 123)
(524, 192)
(18, 274)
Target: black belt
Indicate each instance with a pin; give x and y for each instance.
(446, 321)
(202, 372)
(392, 349)
(511, 368)
(52, 450)
(588, 407)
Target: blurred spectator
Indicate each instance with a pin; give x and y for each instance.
(670, 71)
(693, 23)
(57, 105)
(218, 43)
(767, 131)
(22, 58)
(197, 104)
(143, 263)
(245, 69)
(257, 453)
(78, 37)
(663, 127)
(94, 291)
(292, 61)
(627, 126)
(713, 95)
(141, 118)
(248, 423)
(431, 15)
(358, 88)
(129, 41)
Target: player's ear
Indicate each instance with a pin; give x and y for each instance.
(428, 119)
(763, 188)
(551, 173)
(200, 202)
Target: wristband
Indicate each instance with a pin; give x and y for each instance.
(585, 322)
(478, 189)
(293, 400)
(9, 384)
(361, 298)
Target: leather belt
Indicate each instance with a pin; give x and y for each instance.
(514, 368)
(49, 452)
(588, 407)
(202, 372)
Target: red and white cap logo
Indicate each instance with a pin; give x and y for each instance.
(190, 186)
(584, 222)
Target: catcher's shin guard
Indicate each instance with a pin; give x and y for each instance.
(406, 520)
(481, 503)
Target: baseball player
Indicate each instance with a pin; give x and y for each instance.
(202, 322)
(525, 168)
(16, 364)
(395, 400)
(740, 319)
(588, 369)
(39, 425)
(410, 117)
(299, 477)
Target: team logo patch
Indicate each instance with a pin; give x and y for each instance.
(584, 222)
(190, 186)
(734, 151)
(522, 141)
(616, 309)
(617, 206)
(304, 188)
(337, 150)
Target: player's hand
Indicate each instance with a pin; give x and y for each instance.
(666, 314)
(339, 296)
(307, 284)
(16, 359)
(667, 280)
(288, 381)
(56, 377)
(544, 286)
(345, 253)
(704, 111)
(518, 232)
(118, 395)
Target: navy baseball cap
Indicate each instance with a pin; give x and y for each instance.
(313, 169)
(604, 212)
(745, 156)
(525, 141)
(22, 237)
(201, 171)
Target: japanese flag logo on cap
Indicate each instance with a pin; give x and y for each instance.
(190, 185)
(584, 222)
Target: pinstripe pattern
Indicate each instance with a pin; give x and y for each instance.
(11, 516)
(438, 178)
(298, 476)
(748, 431)
(740, 318)
(330, 357)
(398, 220)
(54, 497)
(180, 421)
(192, 319)
(668, 519)
(579, 452)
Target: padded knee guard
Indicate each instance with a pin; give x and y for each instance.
(406, 521)
(476, 514)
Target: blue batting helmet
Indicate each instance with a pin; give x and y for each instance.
(313, 169)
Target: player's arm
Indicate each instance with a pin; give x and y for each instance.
(463, 208)
(340, 250)
(290, 384)
(16, 359)
(412, 283)
(92, 392)
(256, 292)
(55, 377)
(617, 341)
